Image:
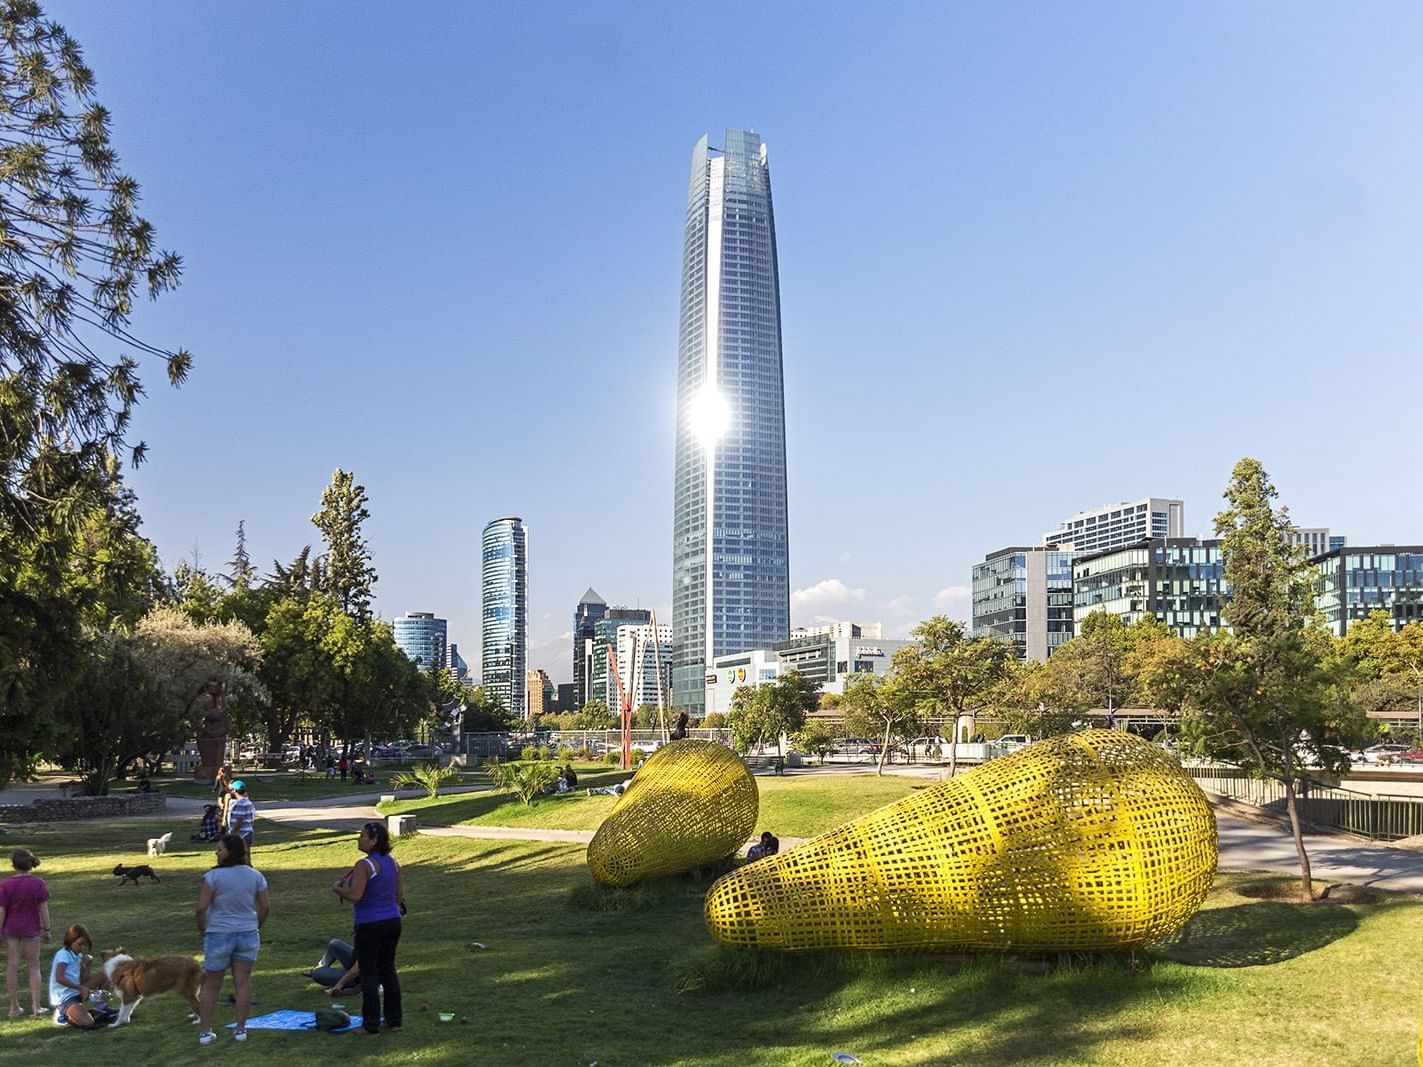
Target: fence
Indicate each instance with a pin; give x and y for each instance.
(1384, 818)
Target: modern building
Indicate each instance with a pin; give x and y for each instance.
(838, 630)
(540, 691)
(1024, 595)
(830, 661)
(1351, 582)
(645, 663)
(505, 612)
(456, 662)
(1117, 525)
(589, 610)
(1317, 540)
(565, 698)
(730, 575)
(1179, 580)
(605, 635)
(422, 638)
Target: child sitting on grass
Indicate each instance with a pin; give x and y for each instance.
(70, 983)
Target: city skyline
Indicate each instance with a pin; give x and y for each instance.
(1194, 225)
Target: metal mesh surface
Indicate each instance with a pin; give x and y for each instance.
(1091, 840)
(691, 802)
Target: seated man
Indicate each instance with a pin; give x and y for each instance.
(207, 829)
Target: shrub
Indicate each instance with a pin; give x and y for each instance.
(613, 758)
(544, 753)
(565, 754)
(638, 755)
(529, 753)
(426, 776)
(527, 780)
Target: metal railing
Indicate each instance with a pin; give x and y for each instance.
(1383, 818)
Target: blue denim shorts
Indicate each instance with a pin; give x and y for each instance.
(221, 948)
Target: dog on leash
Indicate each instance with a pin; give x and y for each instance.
(133, 874)
(149, 976)
(159, 845)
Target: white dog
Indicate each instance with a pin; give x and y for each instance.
(159, 845)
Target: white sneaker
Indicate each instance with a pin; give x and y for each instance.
(207, 1037)
(239, 1035)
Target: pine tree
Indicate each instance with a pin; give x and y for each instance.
(346, 565)
(242, 571)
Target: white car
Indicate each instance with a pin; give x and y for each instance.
(1013, 742)
(1379, 754)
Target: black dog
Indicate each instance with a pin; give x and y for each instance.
(133, 874)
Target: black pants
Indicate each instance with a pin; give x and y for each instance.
(375, 952)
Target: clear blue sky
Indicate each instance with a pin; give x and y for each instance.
(1034, 258)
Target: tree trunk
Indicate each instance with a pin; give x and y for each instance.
(883, 749)
(1306, 886)
(954, 747)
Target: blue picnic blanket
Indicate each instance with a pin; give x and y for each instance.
(293, 1020)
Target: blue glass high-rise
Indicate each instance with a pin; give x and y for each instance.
(731, 579)
(505, 613)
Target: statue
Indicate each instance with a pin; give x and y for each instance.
(212, 737)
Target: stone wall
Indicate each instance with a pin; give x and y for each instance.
(71, 809)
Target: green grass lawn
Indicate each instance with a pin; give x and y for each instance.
(794, 806)
(565, 979)
(291, 785)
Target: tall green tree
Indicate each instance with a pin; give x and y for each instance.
(1390, 663)
(1267, 695)
(949, 674)
(347, 573)
(881, 706)
(768, 713)
(241, 571)
(74, 258)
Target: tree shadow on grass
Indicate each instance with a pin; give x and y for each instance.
(1253, 935)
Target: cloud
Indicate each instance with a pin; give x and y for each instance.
(825, 594)
(901, 603)
(953, 596)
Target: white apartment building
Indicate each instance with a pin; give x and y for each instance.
(1117, 525)
(639, 663)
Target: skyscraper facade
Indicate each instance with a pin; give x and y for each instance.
(421, 637)
(730, 574)
(505, 612)
(589, 610)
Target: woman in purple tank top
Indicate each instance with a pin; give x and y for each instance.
(376, 885)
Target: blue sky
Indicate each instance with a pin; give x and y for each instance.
(1034, 258)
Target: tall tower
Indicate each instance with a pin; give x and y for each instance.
(730, 577)
(589, 610)
(421, 637)
(505, 613)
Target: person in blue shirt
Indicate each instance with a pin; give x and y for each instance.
(70, 983)
(241, 813)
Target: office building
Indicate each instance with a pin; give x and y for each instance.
(421, 637)
(1024, 595)
(1181, 581)
(1351, 582)
(605, 636)
(731, 579)
(1317, 540)
(829, 661)
(1117, 525)
(540, 691)
(838, 630)
(505, 612)
(589, 610)
(456, 662)
(644, 662)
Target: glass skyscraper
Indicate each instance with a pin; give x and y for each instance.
(421, 637)
(505, 615)
(730, 576)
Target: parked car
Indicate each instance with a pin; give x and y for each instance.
(1385, 753)
(1013, 742)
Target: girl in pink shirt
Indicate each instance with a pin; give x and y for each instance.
(24, 920)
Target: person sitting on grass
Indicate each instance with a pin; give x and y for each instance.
(570, 778)
(70, 983)
(337, 969)
(769, 845)
(208, 829)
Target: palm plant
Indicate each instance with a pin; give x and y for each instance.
(426, 776)
(527, 780)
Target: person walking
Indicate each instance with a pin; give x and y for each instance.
(24, 920)
(232, 906)
(241, 813)
(376, 885)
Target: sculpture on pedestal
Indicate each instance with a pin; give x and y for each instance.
(212, 736)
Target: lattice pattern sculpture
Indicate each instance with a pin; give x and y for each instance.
(691, 803)
(1091, 840)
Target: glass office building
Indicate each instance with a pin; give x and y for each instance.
(1181, 581)
(1351, 582)
(589, 610)
(1024, 595)
(505, 614)
(730, 580)
(421, 637)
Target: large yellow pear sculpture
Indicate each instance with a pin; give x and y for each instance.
(1091, 840)
(691, 803)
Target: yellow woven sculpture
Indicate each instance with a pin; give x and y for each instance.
(692, 802)
(1091, 840)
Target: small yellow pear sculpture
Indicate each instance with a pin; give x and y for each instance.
(1091, 840)
(691, 803)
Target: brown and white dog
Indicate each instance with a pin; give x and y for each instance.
(135, 979)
